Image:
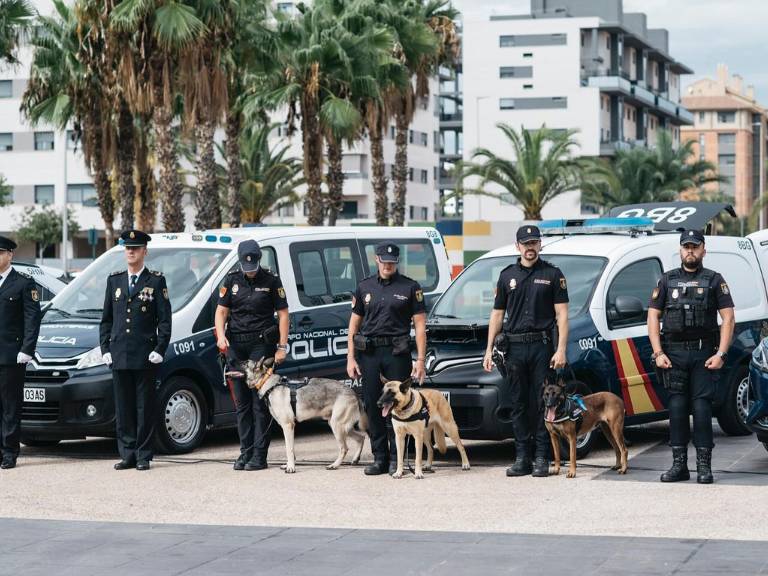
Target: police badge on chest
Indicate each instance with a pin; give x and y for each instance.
(146, 295)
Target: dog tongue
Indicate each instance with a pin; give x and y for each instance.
(550, 415)
(385, 410)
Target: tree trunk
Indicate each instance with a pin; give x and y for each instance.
(145, 219)
(235, 172)
(400, 170)
(335, 181)
(207, 197)
(100, 176)
(169, 184)
(126, 189)
(313, 161)
(379, 180)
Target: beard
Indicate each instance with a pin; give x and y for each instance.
(691, 261)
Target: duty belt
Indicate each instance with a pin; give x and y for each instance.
(527, 337)
(381, 340)
(700, 344)
(247, 337)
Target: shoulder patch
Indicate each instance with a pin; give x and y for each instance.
(156, 272)
(116, 272)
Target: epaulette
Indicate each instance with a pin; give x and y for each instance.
(25, 274)
(116, 272)
(156, 272)
(235, 271)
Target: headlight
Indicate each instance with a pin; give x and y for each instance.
(91, 359)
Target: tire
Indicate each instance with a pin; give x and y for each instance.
(39, 442)
(586, 442)
(182, 416)
(733, 414)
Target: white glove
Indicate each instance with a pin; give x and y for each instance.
(22, 358)
(155, 358)
(107, 358)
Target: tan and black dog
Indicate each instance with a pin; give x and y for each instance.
(422, 414)
(604, 409)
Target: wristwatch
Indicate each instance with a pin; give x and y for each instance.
(657, 354)
(723, 355)
(283, 347)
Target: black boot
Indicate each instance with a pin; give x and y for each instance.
(378, 467)
(522, 465)
(704, 466)
(540, 467)
(679, 470)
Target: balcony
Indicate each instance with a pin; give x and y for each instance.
(610, 147)
(643, 95)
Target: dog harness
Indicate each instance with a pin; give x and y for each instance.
(292, 385)
(422, 414)
(572, 409)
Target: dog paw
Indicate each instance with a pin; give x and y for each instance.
(397, 475)
(427, 469)
(290, 470)
(556, 471)
(465, 466)
(418, 475)
(332, 467)
(622, 470)
(571, 474)
(355, 462)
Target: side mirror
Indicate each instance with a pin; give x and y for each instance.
(628, 307)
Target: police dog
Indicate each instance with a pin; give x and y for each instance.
(324, 398)
(407, 407)
(604, 409)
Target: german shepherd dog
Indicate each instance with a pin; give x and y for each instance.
(408, 411)
(604, 409)
(324, 398)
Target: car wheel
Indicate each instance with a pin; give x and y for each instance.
(39, 442)
(733, 414)
(585, 442)
(182, 415)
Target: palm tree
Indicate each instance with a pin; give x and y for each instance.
(15, 18)
(678, 169)
(543, 168)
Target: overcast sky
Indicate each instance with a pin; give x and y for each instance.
(702, 33)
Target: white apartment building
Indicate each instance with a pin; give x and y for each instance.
(568, 64)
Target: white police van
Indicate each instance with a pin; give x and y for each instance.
(612, 266)
(48, 285)
(68, 390)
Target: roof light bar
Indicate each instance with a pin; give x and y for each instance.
(595, 226)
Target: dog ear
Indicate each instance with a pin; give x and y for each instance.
(561, 382)
(268, 363)
(259, 362)
(383, 379)
(405, 385)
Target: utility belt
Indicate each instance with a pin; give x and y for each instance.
(697, 344)
(399, 344)
(269, 335)
(527, 337)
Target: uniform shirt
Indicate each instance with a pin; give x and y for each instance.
(252, 301)
(19, 316)
(719, 294)
(134, 326)
(387, 306)
(529, 296)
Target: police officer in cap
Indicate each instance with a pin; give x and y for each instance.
(379, 345)
(135, 332)
(533, 296)
(689, 352)
(248, 301)
(19, 327)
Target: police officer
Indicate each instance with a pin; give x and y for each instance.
(19, 327)
(249, 298)
(689, 353)
(379, 339)
(135, 332)
(533, 295)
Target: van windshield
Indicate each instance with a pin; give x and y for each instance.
(470, 297)
(185, 270)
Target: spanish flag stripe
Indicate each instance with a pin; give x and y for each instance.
(635, 382)
(657, 405)
(622, 379)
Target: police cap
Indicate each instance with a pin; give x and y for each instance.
(249, 254)
(131, 238)
(388, 252)
(528, 233)
(7, 244)
(695, 237)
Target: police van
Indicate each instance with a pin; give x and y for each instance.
(611, 266)
(68, 389)
(48, 285)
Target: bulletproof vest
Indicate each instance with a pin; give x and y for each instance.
(687, 308)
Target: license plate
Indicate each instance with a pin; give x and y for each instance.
(447, 395)
(34, 394)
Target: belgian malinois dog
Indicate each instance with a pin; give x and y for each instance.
(603, 408)
(422, 414)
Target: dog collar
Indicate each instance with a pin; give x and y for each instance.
(422, 414)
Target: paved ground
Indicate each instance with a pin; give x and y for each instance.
(31, 547)
(75, 481)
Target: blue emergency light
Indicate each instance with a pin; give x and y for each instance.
(564, 227)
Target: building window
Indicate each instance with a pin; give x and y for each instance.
(702, 146)
(410, 174)
(84, 194)
(43, 140)
(392, 132)
(285, 7)
(286, 211)
(516, 72)
(527, 54)
(44, 194)
(424, 179)
(533, 103)
(349, 210)
(424, 213)
(6, 141)
(73, 142)
(726, 139)
(702, 116)
(726, 159)
(509, 41)
(726, 117)
(6, 88)
(608, 42)
(527, 86)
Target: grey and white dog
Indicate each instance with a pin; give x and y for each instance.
(324, 398)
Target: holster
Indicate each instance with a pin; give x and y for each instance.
(271, 335)
(360, 342)
(401, 345)
(662, 375)
(499, 354)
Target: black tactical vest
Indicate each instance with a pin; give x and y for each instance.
(688, 307)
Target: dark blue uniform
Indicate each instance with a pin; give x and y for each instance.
(19, 327)
(387, 307)
(252, 334)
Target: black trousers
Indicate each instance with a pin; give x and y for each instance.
(527, 365)
(135, 411)
(11, 398)
(691, 388)
(380, 361)
(253, 417)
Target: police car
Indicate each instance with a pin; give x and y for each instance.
(68, 390)
(48, 285)
(612, 266)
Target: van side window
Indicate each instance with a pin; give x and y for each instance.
(204, 320)
(417, 260)
(325, 272)
(632, 284)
